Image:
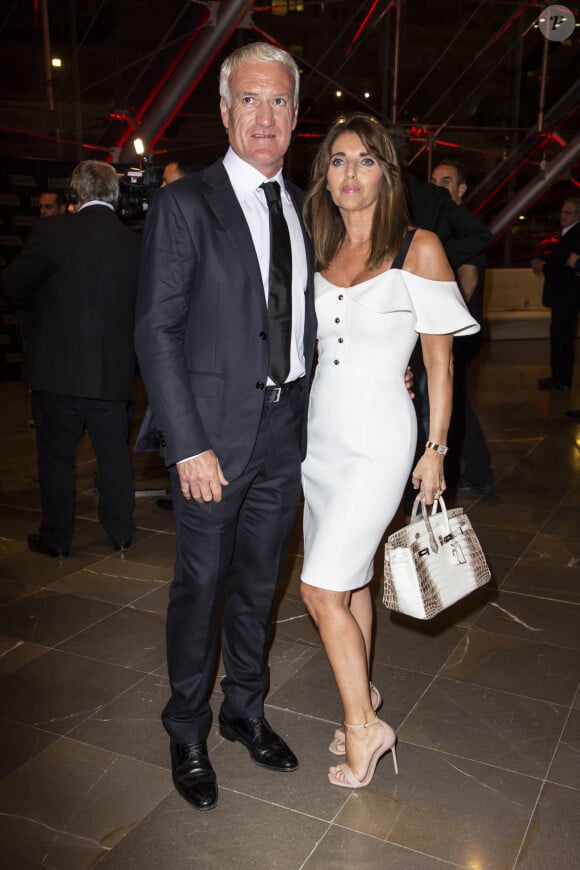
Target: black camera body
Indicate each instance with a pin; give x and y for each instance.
(137, 186)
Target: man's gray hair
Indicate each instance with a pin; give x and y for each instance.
(257, 52)
(95, 180)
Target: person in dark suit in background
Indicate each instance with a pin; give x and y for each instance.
(468, 466)
(229, 390)
(463, 237)
(562, 296)
(77, 276)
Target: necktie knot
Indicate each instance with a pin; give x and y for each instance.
(271, 192)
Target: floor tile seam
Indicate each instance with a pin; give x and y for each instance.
(536, 596)
(539, 779)
(564, 706)
(56, 831)
(9, 720)
(34, 591)
(529, 825)
(116, 754)
(65, 652)
(319, 719)
(118, 609)
(442, 861)
(278, 805)
(563, 496)
(86, 627)
(518, 637)
(153, 531)
(17, 507)
(421, 673)
(131, 668)
(532, 641)
(559, 741)
(418, 701)
(108, 704)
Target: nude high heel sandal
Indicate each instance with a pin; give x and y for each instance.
(337, 745)
(344, 777)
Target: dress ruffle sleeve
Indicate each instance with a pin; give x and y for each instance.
(438, 306)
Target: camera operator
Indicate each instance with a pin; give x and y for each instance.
(51, 203)
(77, 275)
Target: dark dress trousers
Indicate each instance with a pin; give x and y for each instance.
(77, 278)
(562, 295)
(202, 344)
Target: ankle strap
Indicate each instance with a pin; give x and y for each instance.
(363, 724)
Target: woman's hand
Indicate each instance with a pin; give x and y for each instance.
(428, 475)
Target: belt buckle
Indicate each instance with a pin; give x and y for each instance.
(275, 393)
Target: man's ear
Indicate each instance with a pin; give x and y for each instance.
(461, 190)
(224, 112)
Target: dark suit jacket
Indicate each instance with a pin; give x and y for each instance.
(560, 281)
(462, 234)
(77, 278)
(202, 321)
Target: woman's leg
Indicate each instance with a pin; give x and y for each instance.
(361, 607)
(346, 648)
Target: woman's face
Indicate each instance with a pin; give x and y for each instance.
(354, 178)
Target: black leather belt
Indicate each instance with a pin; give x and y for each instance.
(274, 394)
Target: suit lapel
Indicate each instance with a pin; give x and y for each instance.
(223, 202)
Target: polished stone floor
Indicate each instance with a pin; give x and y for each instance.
(485, 698)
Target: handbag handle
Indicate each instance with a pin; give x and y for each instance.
(438, 504)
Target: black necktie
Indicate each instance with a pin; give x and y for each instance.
(279, 286)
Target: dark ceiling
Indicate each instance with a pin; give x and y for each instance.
(468, 77)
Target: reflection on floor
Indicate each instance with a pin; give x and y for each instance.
(485, 699)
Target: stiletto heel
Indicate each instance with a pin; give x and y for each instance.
(344, 777)
(337, 745)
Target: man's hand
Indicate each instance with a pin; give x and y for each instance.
(409, 381)
(538, 266)
(202, 478)
(572, 260)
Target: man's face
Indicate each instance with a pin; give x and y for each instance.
(171, 173)
(262, 114)
(446, 176)
(568, 215)
(48, 205)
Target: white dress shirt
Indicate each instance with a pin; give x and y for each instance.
(246, 182)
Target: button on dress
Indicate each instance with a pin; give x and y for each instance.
(362, 424)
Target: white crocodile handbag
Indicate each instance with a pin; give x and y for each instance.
(432, 562)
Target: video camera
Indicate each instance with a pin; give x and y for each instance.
(137, 188)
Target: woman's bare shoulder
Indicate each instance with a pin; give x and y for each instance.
(427, 258)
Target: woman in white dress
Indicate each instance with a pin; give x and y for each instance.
(379, 285)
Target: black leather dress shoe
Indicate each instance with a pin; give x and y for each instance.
(193, 776)
(574, 414)
(122, 546)
(37, 545)
(266, 748)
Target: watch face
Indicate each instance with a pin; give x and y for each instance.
(556, 23)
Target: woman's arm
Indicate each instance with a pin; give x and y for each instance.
(438, 359)
(427, 259)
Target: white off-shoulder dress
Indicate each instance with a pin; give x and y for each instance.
(361, 423)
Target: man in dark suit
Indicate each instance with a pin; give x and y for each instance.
(562, 296)
(77, 275)
(468, 465)
(233, 429)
